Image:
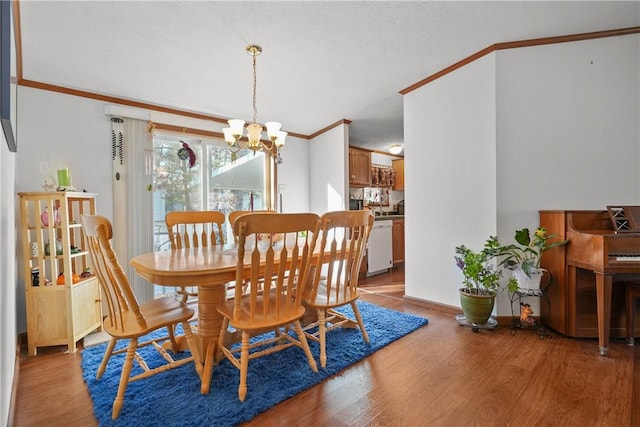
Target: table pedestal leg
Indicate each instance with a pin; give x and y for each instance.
(209, 323)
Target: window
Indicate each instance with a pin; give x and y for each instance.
(213, 183)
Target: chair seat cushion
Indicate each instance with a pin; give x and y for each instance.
(157, 314)
(272, 318)
(332, 300)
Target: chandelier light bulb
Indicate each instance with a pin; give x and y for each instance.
(228, 136)
(272, 129)
(237, 127)
(282, 135)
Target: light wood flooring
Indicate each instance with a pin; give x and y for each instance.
(440, 375)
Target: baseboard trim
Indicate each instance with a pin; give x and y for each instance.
(16, 376)
(445, 308)
(450, 309)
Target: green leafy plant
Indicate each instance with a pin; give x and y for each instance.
(527, 253)
(480, 273)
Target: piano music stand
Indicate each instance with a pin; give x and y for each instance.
(625, 219)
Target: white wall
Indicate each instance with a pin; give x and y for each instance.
(561, 123)
(69, 129)
(568, 122)
(293, 173)
(328, 166)
(8, 274)
(450, 177)
(568, 130)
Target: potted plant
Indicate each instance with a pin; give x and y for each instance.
(481, 281)
(523, 258)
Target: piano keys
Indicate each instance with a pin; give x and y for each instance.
(589, 273)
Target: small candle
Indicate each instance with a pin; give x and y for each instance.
(63, 178)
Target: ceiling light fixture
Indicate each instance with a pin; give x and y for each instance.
(233, 134)
(395, 149)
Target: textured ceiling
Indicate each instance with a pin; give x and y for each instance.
(321, 61)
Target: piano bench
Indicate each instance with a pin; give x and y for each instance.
(632, 292)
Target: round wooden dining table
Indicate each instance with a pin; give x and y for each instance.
(210, 269)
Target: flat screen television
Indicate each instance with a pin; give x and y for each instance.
(7, 92)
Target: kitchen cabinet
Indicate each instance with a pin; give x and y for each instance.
(63, 305)
(398, 166)
(359, 167)
(397, 237)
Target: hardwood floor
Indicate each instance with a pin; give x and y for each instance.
(440, 375)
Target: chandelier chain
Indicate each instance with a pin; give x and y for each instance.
(255, 105)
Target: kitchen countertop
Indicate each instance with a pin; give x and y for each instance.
(383, 217)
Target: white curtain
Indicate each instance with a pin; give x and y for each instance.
(132, 154)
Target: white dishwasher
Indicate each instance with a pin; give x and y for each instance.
(380, 249)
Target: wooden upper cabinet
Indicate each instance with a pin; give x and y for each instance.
(359, 167)
(398, 166)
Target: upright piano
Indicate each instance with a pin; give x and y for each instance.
(589, 273)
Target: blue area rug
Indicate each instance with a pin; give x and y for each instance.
(173, 398)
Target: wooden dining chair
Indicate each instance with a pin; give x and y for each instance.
(194, 229)
(276, 265)
(334, 274)
(234, 215)
(127, 319)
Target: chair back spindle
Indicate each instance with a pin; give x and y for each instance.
(279, 255)
(234, 215)
(195, 229)
(344, 237)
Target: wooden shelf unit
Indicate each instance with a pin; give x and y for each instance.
(57, 314)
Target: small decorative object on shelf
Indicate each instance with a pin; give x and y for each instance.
(526, 315)
(48, 181)
(64, 179)
(35, 276)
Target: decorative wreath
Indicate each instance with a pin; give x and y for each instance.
(185, 153)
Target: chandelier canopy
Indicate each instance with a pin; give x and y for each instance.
(234, 133)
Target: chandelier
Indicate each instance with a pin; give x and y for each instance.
(234, 133)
